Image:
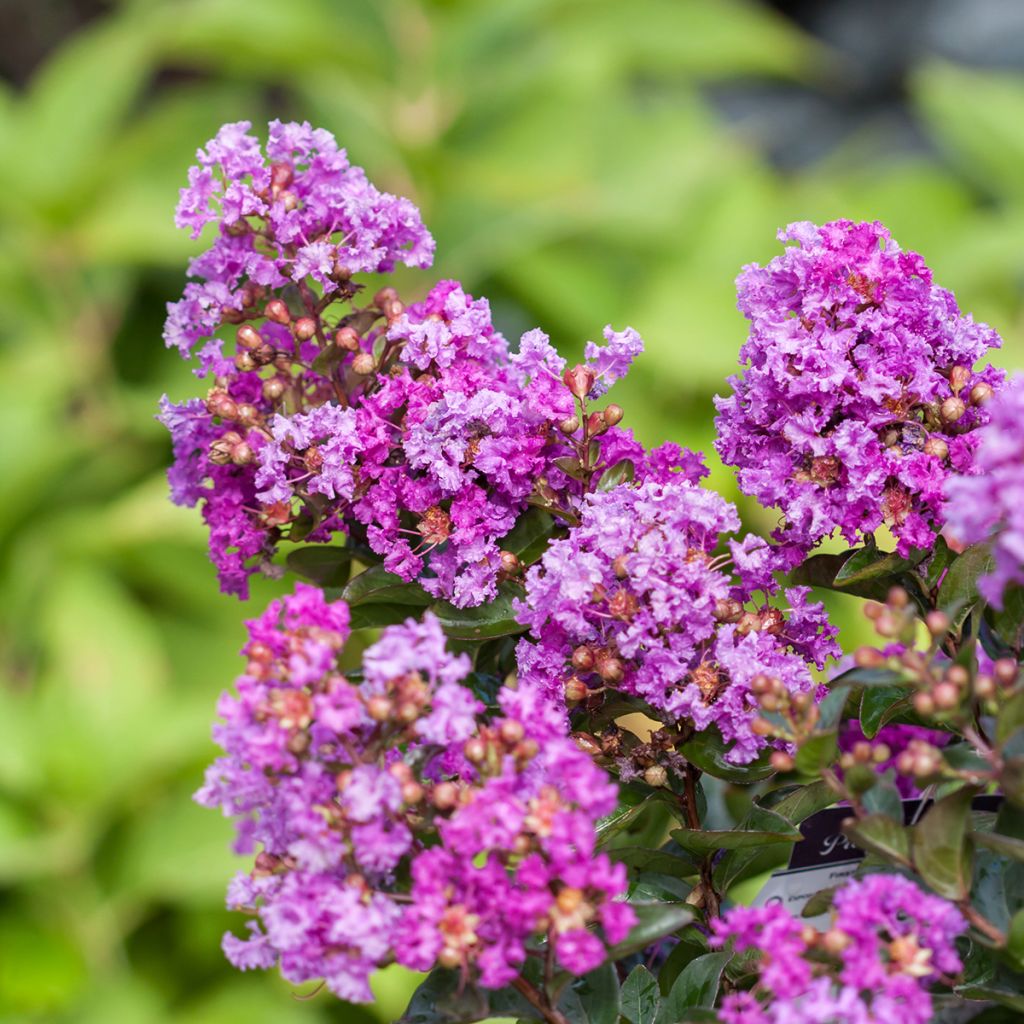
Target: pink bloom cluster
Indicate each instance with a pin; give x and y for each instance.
(990, 504)
(638, 598)
(860, 398)
(891, 941)
(394, 821)
(413, 430)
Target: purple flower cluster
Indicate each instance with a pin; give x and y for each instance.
(413, 430)
(891, 940)
(393, 821)
(990, 504)
(860, 398)
(636, 599)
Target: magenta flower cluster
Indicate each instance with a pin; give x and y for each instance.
(889, 941)
(990, 503)
(861, 397)
(391, 820)
(412, 430)
(639, 598)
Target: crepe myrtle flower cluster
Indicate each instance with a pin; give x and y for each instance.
(990, 504)
(889, 941)
(861, 396)
(413, 430)
(392, 821)
(638, 598)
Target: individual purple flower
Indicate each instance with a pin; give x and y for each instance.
(988, 504)
(636, 599)
(860, 397)
(888, 942)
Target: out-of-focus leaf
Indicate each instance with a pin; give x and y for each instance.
(697, 985)
(942, 852)
(654, 921)
(321, 564)
(880, 834)
(879, 705)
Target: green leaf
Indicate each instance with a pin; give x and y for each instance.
(942, 851)
(529, 538)
(640, 1000)
(868, 677)
(879, 834)
(376, 615)
(598, 993)
(484, 622)
(771, 826)
(658, 861)
(707, 750)
(817, 753)
(614, 476)
(696, 986)
(820, 902)
(879, 705)
(1015, 938)
(654, 921)
(1005, 846)
(883, 798)
(1010, 717)
(869, 564)
(326, 566)
(959, 591)
(377, 585)
(938, 563)
(1008, 621)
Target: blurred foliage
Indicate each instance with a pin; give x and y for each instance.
(570, 162)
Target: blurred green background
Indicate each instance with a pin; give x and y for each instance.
(579, 161)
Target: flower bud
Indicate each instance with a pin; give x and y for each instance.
(384, 296)
(750, 622)
(938, 623)
(304, 328)
(445, 796)
(221, 449)
(868, 657)
(958, 675)
(579, 380)
(510, 564)
(576, 690)
(347, 339)
(958, 378)
(761, 727)
(936, 447)
(379, 708)
(273, 388)
(772, 621)
(613, 415)
(952, 409)
(583, 659)
(248, 337)
(880, 753)
(277, 310)
(835, 941)
(656, 776)
(244, 361)
(412, 792)
(248, 414)
(610, 669)
(728, 610)
(364, 364)
(873, 610)
(475, 750)
(984, 687)
(220, 403)
(620, 567)
(1005, 671)
(393, 310)
(511, 731)
(781, 761)
(569, 425)
(897, 598)
(923, 704)
(981, 393)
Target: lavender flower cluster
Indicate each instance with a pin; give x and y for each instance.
(889, 940)
(393, 820)
(861, 397)
(412, 430)
(990, 503)
(638, 599)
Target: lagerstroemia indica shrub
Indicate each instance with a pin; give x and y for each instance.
(538, 705)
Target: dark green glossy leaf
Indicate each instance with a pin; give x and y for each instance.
(939, 561)
(1008, 622)
(872, 677)
(942, 852)
(868, 564)
(598, 994)
(377, 585)
(654, 921)
(529, 538)
(879, 705)
(614, 476)
(690, 946)
(659, 861)
(881, 835)
(769, 827)
(816, 753)
(640, 1000)
(707, 750)
(485, 622)
(321, 564)
(696, 986)
(959, 591)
